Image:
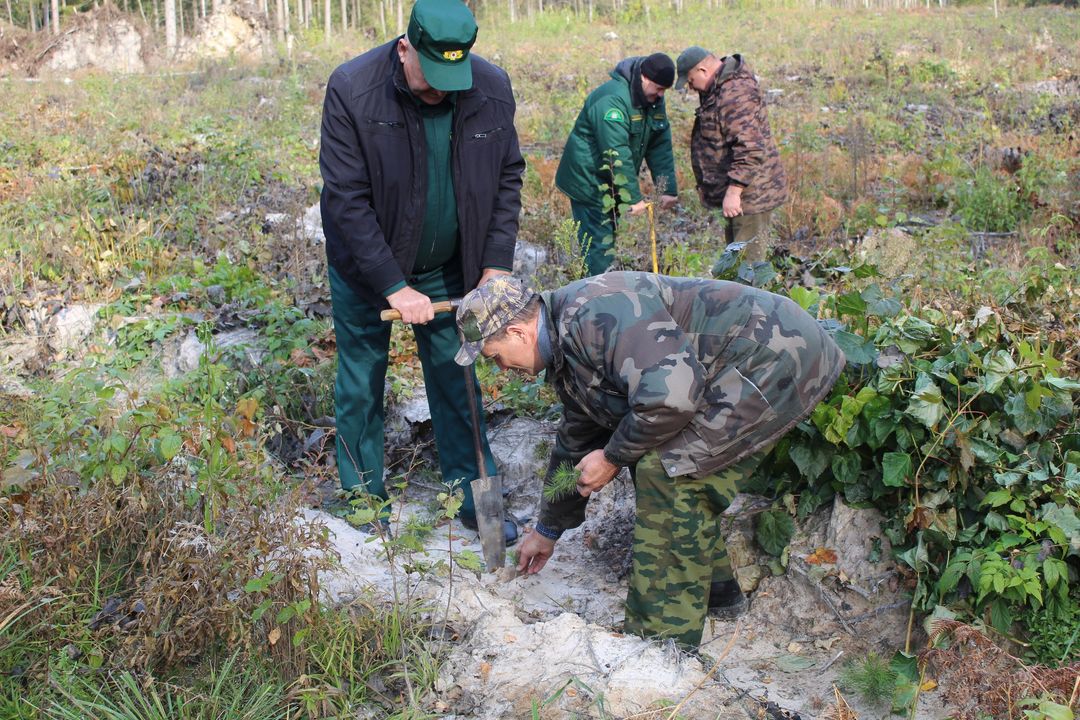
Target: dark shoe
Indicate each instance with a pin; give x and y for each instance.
(726, 600)
(510, 530)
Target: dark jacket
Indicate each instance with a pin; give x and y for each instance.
(704, 372)
(374, 171)
(731, 142)
(617, 117)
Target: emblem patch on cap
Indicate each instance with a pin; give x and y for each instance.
(614, 115)
(453, 55)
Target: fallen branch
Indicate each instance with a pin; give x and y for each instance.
(805, 574)
(53, 44)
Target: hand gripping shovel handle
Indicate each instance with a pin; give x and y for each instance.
(442, 306)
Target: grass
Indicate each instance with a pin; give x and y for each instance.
(149, 195)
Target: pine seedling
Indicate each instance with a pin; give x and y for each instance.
(563, 482)
(871, 678)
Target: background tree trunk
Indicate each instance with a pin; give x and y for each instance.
(33, 19)
(344, 16)
(279, 19)
(170, 25)
(326, 20)
(10, 19)
(56, 15)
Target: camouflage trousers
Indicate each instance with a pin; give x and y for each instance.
(678, 548)
(752, 230)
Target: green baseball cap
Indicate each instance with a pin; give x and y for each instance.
(487, 310)
(688, 60)
(443, 32)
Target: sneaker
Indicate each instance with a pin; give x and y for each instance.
(510, 530)
(726, 600)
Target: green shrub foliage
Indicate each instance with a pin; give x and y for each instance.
(964, 434)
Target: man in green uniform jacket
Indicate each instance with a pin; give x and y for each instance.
(624, 119)
(686, 381)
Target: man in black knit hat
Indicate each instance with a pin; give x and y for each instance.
(622, 123)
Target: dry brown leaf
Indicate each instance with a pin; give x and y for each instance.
(822, 556)
(485, 671)
(300, 358)
(274, 636)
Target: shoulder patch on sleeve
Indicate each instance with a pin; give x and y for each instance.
(614, 115)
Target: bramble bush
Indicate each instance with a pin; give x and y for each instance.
(963, 431)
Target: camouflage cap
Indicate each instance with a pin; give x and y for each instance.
(487, 310)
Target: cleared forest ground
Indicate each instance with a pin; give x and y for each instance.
(167, 366)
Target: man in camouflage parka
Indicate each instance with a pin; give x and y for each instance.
(624, 119)
(688, 382)
(735, 160)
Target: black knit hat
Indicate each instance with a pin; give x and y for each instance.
(659, 68)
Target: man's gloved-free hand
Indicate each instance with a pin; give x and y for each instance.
(414, 306)
(534, 552)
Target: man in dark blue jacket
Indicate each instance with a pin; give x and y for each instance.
(421, 193)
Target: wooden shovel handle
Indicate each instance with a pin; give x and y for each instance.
(439, 307)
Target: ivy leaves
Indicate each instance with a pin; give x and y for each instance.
(963, 435)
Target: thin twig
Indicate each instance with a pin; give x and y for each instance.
(831, 662)
(727, 649)
(822, 594)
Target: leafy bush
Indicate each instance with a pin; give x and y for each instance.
(987, 202)
(963, 434)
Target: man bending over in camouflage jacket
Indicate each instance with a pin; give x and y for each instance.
(735, 160)
(688, 382)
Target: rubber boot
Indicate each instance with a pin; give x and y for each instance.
(726, 600)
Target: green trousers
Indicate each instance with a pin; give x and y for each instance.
(363, 343)
(752, 230)
(678, 548)
(596, 235)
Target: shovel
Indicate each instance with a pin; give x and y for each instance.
(486, 489)
(487, 494)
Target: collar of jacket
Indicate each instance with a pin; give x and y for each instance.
(557, 359)
(630, 71)
(729, 65)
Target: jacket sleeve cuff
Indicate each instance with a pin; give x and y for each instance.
(616, 460)
(545, 531)
(393, 288)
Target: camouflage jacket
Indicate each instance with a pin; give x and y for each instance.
(705, 372)
(617, 117)
(731, 142)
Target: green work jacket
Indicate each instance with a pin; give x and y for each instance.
(617, 117)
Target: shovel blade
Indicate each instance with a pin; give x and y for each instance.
(487, 494)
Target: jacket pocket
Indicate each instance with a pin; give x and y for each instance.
(738, 409)
(486, 136)
(376, 126)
